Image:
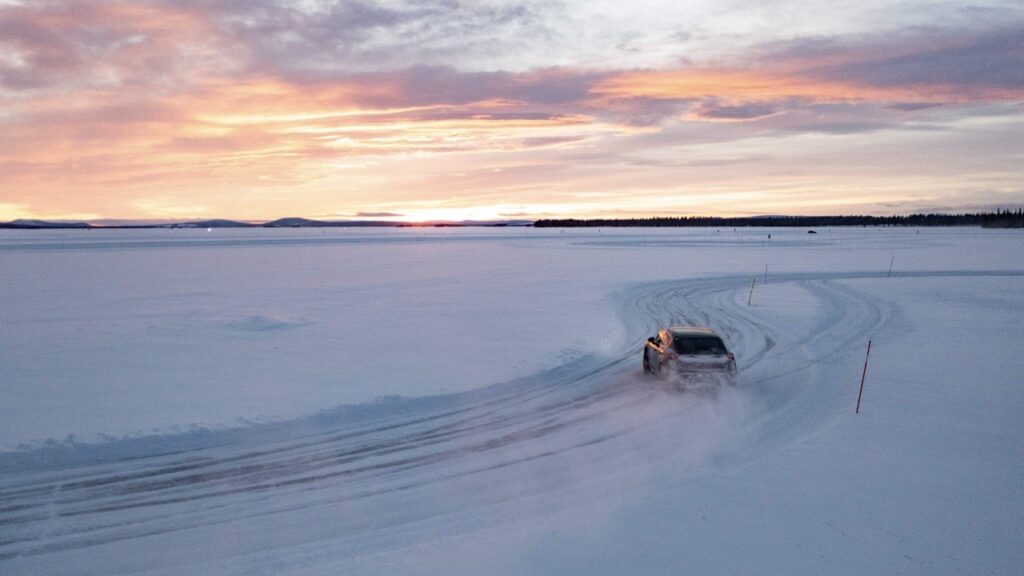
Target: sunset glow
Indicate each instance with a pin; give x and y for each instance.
(422, 111)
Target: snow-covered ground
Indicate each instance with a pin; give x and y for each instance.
(439, 401)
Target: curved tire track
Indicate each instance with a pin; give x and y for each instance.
(549, 416)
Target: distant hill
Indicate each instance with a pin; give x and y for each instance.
(38, 224)
(217, 223)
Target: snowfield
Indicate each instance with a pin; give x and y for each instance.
(470, 401)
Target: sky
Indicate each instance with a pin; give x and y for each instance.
(451, 110)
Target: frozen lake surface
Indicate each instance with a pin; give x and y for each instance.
(395, 401)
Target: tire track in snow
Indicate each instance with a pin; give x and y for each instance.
(551, 415)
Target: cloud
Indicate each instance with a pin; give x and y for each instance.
(422, 85)
(978, 64)
(908, 72)
(327, 38)
(95, 45)
(713, 110)
(912, 106)
(234, 97)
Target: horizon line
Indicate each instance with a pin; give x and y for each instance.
(298, 221)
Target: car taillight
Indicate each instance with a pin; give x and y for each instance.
(730, 355)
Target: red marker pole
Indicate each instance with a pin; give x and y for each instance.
(862, 375)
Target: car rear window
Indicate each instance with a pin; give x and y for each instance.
(684, 344)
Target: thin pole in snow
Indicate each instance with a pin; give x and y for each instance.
(765, 273)
(893, 259)
(751, 296)
(862, 375)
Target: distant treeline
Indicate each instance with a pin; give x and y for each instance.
(997, 219)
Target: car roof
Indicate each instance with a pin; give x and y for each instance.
(691, 331)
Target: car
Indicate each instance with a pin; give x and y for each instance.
(690, 351)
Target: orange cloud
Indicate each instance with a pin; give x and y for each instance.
(747, 85)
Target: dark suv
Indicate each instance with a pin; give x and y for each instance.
(688, 350)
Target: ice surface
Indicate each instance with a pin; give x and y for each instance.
(469, 401)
